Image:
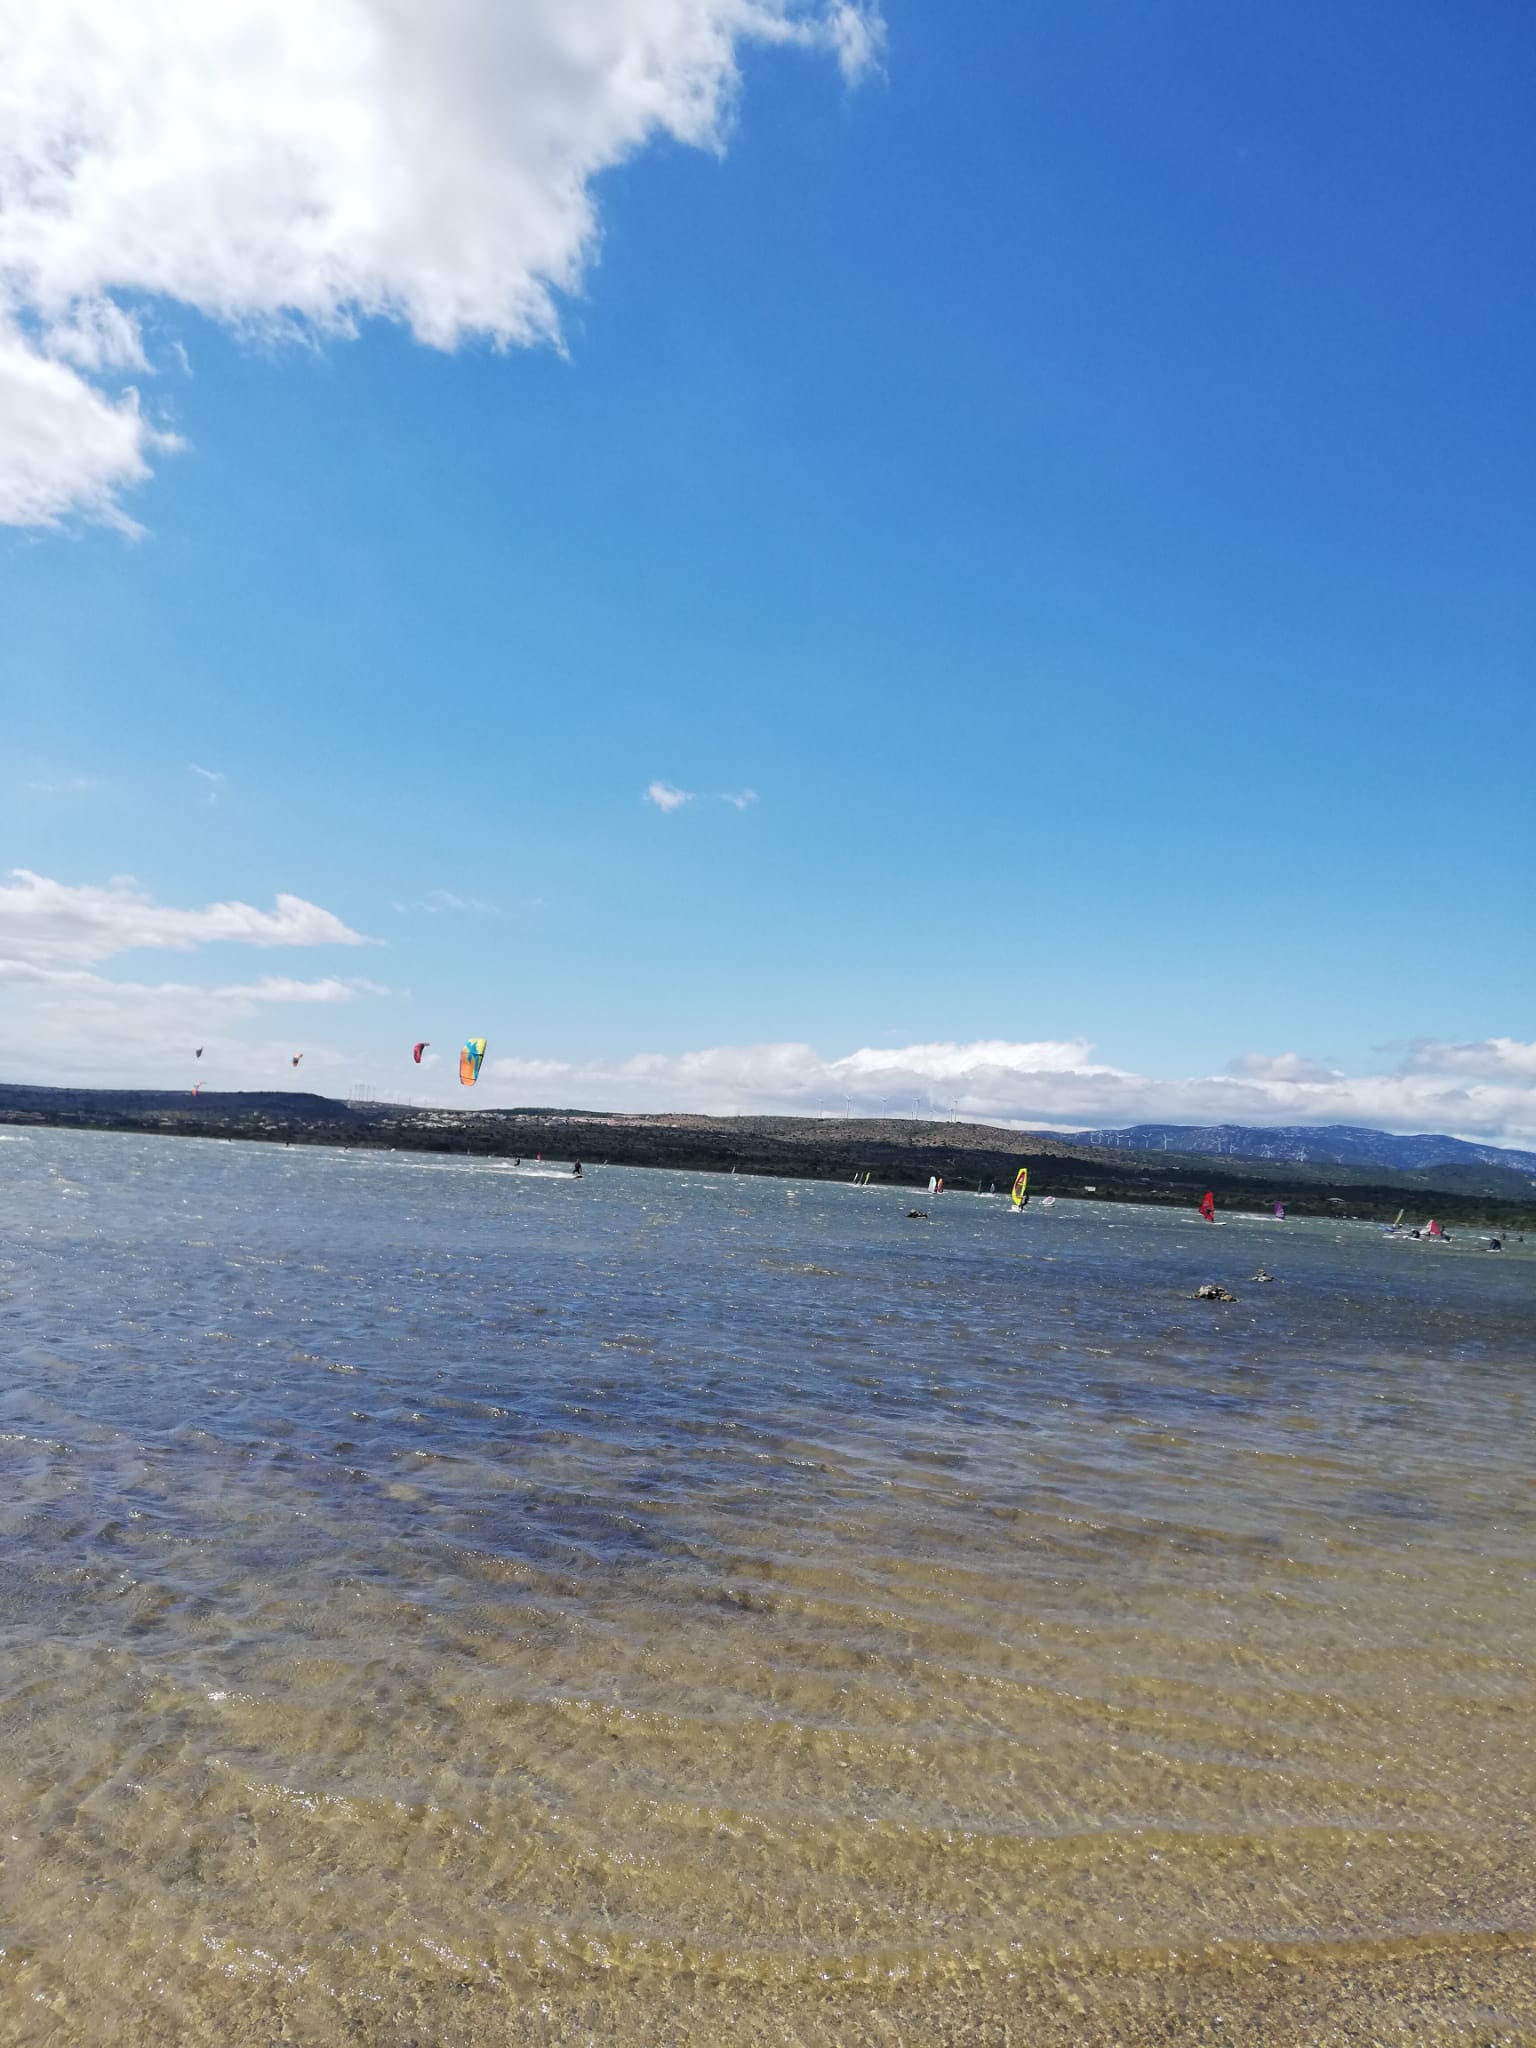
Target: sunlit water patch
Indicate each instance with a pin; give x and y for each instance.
(447, 1604)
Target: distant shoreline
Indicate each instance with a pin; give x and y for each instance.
(896, 1152)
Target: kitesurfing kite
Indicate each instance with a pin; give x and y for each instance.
(419, 1048)
(297, 1057)
(198, 1054)
(469, 1061)
(1021, 1188)
(1208, 1206)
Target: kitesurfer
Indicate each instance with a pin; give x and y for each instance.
(576, 1171)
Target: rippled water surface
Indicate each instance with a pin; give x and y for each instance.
(445, 1604)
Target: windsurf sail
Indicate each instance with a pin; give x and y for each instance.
(1433, 1229)
(1208, 1206)
(469, 1061)
(1279, 1212)
(419, 1048)
(1021, 1187)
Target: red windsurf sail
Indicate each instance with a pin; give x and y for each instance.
(1208, 1206)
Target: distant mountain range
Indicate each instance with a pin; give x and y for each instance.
(1321, 1145)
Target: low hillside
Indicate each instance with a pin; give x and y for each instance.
(897, 1151)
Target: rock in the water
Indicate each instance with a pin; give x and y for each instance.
(1262, 1275)
(1211, 1292)
(918, 1215)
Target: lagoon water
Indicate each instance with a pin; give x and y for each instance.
(451, 1605)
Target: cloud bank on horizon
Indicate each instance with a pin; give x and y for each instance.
(1484, 1091)
(61, 1020)
(287, 166)
(64, 1020)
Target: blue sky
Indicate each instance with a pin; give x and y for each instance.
(1074, 469)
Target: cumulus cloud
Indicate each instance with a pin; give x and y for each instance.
(665, 797)
(62, 1018)
(1485, 1058)
(741, 799)
(50, 923)
(304, 165)
(65, 446)
(1485, 1091)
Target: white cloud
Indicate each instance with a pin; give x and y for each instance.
(1485, 1091)
(51, 922)
(65, 446)
(742, 799)
(439, 900)
(97, 334)
(1485, 1058)
(72, 1024)
(65, 785)
(1285, 1066)
(60, 1018)
(76, 985)
(307, 164)
(665, 797)
(213, 780)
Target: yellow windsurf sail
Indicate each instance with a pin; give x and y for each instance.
(1021, 1188)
